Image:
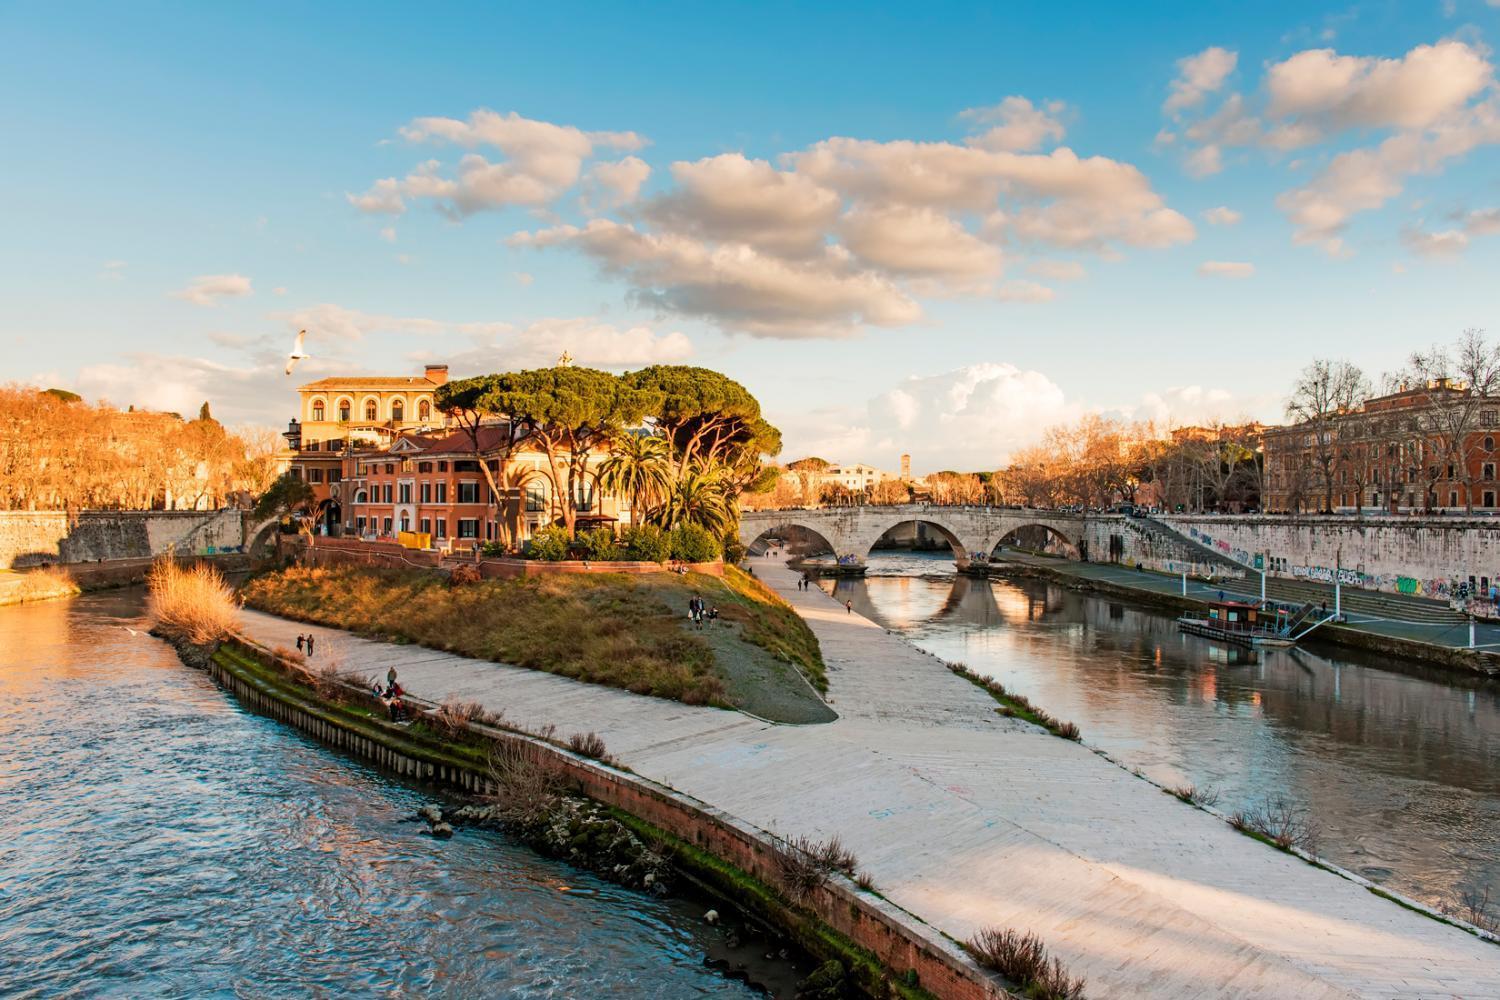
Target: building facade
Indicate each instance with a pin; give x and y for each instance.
(1424, 449)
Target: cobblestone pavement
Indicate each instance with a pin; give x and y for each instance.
(970, 820)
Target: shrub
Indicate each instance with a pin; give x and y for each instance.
(804, 864)
(464, 574)
(190, 603)
(600, 545)
(1195, 795)
(734, 549)
(527, 791)
(492, 548)
(453, 716)
(549, 544)
(1280, 822)
(1022, 958)
(693, 543)
(647, 543)
(588, 745)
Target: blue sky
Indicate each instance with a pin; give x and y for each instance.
(793, 195)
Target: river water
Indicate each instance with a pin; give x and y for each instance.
(1399, 766)
(158, 840)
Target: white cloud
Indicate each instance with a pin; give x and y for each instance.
(918, 242)
(590, 342)
(238, 392)
(737, 285)
(1454, 241)
(1190, 405)
(619, 180)
(1017, 125)
(1221, 216)
(1205, 161)
(208, 289)
(541, 161)
(735, 199)
(1198, 76)
(1056, 270)
(1021, 290)
(1226, 269)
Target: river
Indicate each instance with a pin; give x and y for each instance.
(158, 840)
(1400, 767)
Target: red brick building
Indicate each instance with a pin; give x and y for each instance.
(1396, 452)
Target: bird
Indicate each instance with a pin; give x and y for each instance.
(130, 630)
(297, 353)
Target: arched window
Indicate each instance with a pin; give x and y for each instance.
(370, 411)
(343, 411)
(1489, 444)
(361, 497)
(398, 411)
(317, 411)
(424, 410)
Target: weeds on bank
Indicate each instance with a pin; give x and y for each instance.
(1473, 904)
(190, 603)
(803, 864)
(528, 790)
(1280, 823)
(45, 583)
(589, 745)
(1016, 706)
(1193, 795)
(1022, 958)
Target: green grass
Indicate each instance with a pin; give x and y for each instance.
(767, 621)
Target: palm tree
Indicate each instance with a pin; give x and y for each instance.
(700, 496)
(639, 467)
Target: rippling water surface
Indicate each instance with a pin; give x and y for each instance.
(156, 840)
(1400, 767)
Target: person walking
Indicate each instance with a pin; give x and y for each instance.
(849, 607)
(390, 677)
(300, 640)
(309, 643)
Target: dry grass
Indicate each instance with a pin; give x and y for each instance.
(42, 584)
(1195, 795)
(1279, 822)
(453, 716)
(527, 791)
(1017, 706)
(1022, 958)
(803, 864)
(589, 745)
(192, 603)
(601, 628)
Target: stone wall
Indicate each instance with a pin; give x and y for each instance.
(31, 538)
(1442, 558)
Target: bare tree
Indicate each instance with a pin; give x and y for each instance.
(1458, 385)
(1324, 392)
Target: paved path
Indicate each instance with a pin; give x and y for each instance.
(969, 820)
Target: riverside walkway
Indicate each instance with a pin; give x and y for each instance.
(969, 820)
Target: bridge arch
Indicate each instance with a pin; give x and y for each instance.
(1038, 536)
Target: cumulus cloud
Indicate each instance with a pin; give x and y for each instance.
(918, 242)
(1198, 76)
(1022, 290)
(1221, 216)
(736, 199)
(737, 285)
(541, 161)
(1056, 270)
(589, 341)
(1017, 125)
(619, 180)
(1190, 405)
(1436, 102)
(239, 392)
(1226, 269)
(208, 289)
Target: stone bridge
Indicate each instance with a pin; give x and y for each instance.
(973, 532)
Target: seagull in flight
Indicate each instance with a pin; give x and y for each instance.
(297, 353)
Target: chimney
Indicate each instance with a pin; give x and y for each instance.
(906, 467)
(436, 374)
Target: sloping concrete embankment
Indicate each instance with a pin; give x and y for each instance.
(969, 820)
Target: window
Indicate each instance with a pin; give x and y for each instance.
(442, 466)
(405, 521)
(424, 410)
(442, 492)
(466, 466)
(315, 475)
(1487, 471)
(1486, 418)
(370, 412)
(426, 494)
(424, 466)
(385, 493)
(584, 496)
(312, 446)
(343, 411)
(468, 527)
(334, 475)
(1489, 498)
(398, 411)
(404, 492)
(1489, 444)
(359, 526)
(1453, 498)
(295, 472)
(468, 493)
(426, 523)
(442, 527)
(389, 468)
(387, 524)
(318, 411)
(536, 499)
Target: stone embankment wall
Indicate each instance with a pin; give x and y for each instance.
(898, 940)
(1441, 558)
(31, 538)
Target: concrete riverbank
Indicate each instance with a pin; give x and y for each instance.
(970, 820)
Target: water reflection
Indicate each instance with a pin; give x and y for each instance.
(1400, 765)
(155, 840)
